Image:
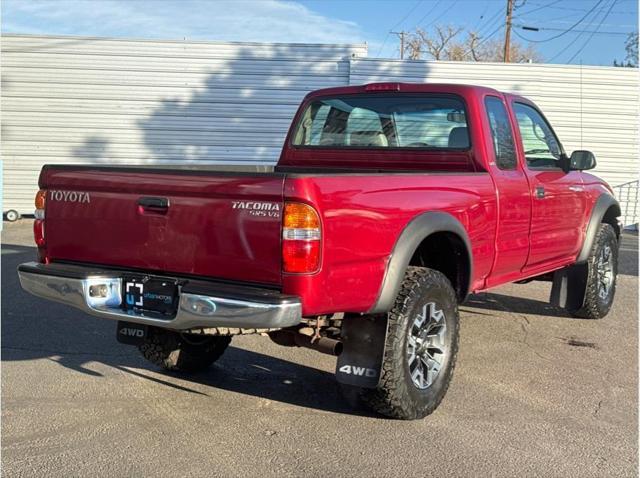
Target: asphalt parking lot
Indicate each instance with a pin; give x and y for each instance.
(535, 393)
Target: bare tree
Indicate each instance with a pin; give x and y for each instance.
(631, 47)
(447, 43)
(492, 50)
(436, 46)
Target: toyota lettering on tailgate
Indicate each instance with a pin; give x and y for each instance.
(70, 196)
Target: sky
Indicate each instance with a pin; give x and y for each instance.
(597, 28)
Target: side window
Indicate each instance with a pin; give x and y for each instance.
(501, 133)
(317, 124)
(541, 147)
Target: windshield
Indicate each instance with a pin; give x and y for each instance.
(378, 121)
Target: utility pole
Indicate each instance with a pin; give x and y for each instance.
(401, 36)
(507, 32)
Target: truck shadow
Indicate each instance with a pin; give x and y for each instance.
(508, 303)
(34, 329)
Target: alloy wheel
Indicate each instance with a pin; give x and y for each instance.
(426, 350)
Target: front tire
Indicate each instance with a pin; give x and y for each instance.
(181, 352)
(421, 347)
(602, 272)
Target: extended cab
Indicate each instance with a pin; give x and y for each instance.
(391, 202)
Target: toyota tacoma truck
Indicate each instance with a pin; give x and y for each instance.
(391, 202)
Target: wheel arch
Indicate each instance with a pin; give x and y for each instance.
(423, 232)
(605, 210)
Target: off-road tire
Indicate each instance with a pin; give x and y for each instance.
(396, 395)
(595, 306)
(182, 352)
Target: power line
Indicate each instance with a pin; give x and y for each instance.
(442, 14)
(573, 9)
(587, 25)
(546, 5)
(429, 12)
(490, 22)
(407, 15)
(418, 3)
(564, 32)
(573, 31)
(592, 34)
(571, 43)
(544, 20)
(485, 39)
(484, 12)
(565, 48)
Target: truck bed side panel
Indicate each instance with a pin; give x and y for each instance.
(364, 214)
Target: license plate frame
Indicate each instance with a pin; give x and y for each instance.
(149, 293)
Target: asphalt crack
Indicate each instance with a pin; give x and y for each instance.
(524, 326)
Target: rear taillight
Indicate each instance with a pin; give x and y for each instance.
(38, 232)
(38, 224)
(301, 235)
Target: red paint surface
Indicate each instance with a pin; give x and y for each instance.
(200, 233)
(513, 235)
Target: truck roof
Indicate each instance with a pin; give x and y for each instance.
(455, 88)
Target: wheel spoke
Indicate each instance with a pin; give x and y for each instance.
(426, 345)
(418, 376)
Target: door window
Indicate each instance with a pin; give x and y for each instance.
(542, 149)
(501, 133)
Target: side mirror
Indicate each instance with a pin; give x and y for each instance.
(582, 160)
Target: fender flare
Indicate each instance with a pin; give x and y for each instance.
(600, 208)
(418, 229)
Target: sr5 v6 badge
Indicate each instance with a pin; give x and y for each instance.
(257, 208)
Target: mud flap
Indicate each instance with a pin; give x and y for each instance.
(131, 334)
(569, 286)
(363, 338)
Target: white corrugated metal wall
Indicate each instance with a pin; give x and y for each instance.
(590, 107)
(68, 99)
(79, 100)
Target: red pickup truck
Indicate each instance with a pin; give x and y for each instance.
(391, 203)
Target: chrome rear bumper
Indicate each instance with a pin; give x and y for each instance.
(201, 303)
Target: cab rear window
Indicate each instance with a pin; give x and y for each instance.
(392, 121)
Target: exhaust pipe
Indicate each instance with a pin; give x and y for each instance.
(323, 344)
(291, 339)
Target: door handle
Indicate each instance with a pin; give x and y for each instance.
(153, 204)
(540, 192)
(576, 189)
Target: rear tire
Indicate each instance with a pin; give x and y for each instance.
(421, 347)
(181, 352)
(602, 272)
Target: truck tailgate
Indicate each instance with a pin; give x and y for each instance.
(204, 223)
